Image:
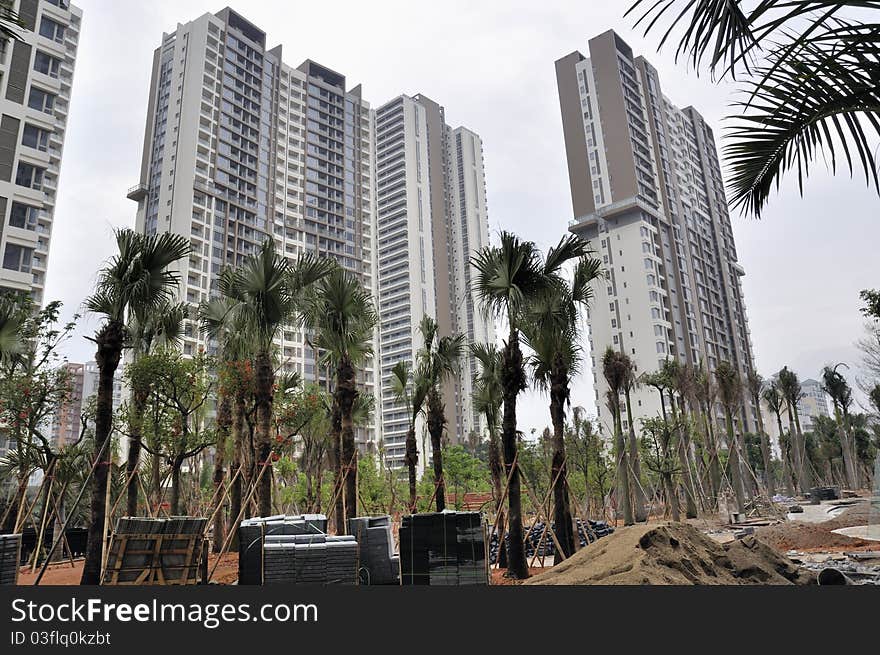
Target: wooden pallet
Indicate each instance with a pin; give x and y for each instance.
(150, 553)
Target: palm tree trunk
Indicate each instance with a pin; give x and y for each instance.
(346, 391)
(786, 476)
(765, 451)
(336, 465)
(558, 473)
(846, 447)
(436, 419)
(237, 430)
(735, 470)
(135, 439)
(224, 420)
(495, 467)
(110, 341)
(800, 451)
(513, 381)
(714, 460)
(684, 461)
(265, 378)
(412, 460)
(640, 510)
(623, 486)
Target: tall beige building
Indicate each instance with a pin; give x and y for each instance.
(241, 147)
(431, 217)
(36, 77)
(647, 194)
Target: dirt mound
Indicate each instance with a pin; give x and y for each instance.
(800, 535)
(673, 554)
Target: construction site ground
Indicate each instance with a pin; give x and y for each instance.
(651, 553)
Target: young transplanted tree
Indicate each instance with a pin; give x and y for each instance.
(438, 358)
(617, 368)
(341, 315)
(411, 389)
(265, 292)
(137, 281)
(730, 394)
(552, 331)
(507, 278)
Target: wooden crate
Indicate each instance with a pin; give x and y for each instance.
(155, 559)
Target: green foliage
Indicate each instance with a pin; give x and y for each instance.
(809, 88)
(871, 297)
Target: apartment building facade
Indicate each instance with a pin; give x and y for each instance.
(431, 217)
(240, 147)
(36, 78)
(647, 194)
(814, 402)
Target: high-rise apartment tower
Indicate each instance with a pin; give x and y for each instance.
(36, 75)
(647, 194)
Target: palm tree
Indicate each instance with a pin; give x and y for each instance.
(135, 281)
(439, 358)
(809, 75)
(487, 398)
(264, 294)
(341, 315)
(631, 381)
(790, 387)
(162, 326)
(551, 330)
(775, 401)
(730, 394)
(754, 384)
(411, 389)
(836, 386)
(677, 382)
(616, 369)
(218, 323)
(508, 277)
(704, 396)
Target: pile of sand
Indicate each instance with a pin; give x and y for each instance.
(800, 535)
(673, 554)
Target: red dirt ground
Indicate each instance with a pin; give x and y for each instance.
(63, 574)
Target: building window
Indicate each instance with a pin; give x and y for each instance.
(34, 137)
(17, 258)
(52, 30)
(29, 176)
(23, 216)
(46, 64)
(41, 100)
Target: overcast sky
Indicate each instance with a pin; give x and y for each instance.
(491, 65)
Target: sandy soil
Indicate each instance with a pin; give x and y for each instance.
(673, 554)
(810, 536)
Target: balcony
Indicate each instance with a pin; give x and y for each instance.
(137, 193)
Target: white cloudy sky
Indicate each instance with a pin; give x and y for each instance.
(491, 65)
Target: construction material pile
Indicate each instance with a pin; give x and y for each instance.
(587, 533)
(10, 547)
(673, 554)
(378, 563)
(310, 559)
(445, 548)
(294, 550)
(155, 551)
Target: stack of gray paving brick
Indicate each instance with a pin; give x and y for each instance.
(295, 550)
(10, 553)
(378, 563)
(446, 548)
